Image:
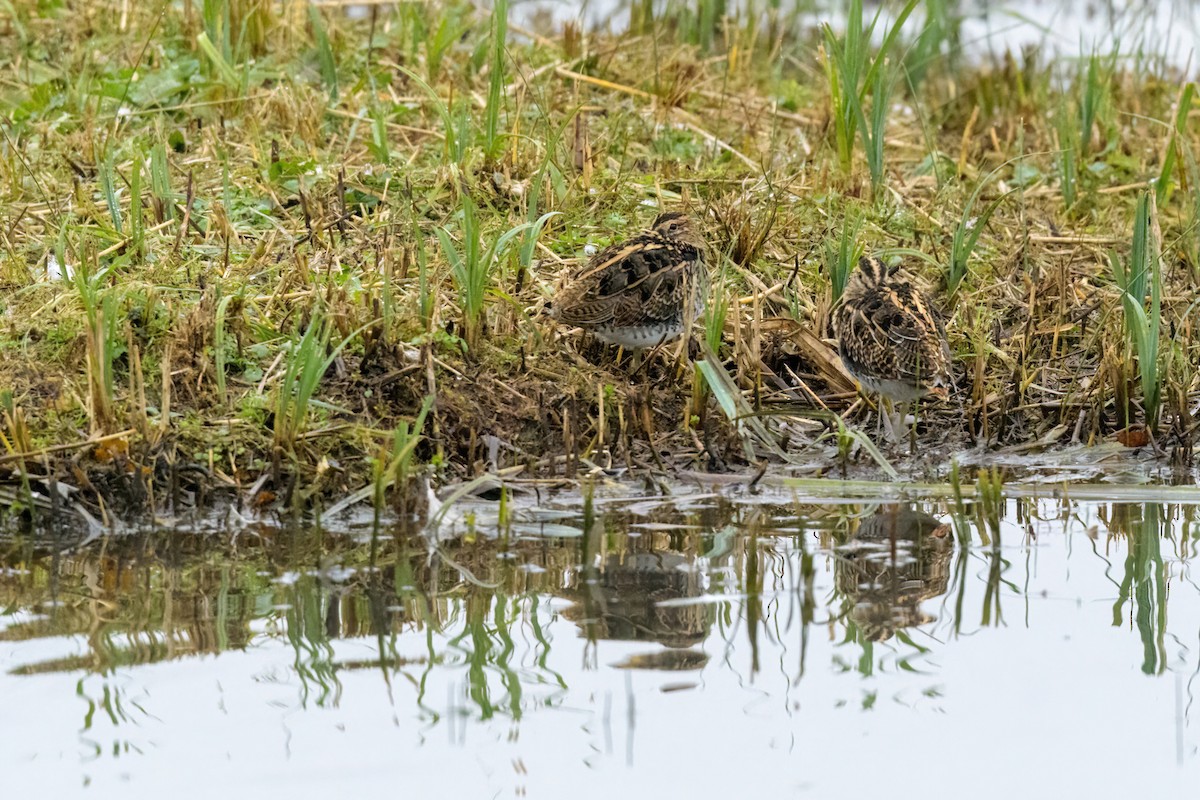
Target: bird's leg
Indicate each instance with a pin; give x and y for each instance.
(642, 361)
(635, 362)
(912, 431)
(886, 420)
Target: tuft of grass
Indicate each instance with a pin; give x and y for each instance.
(16, 440)
(1067, 157)
(218, 25)
(106, 172)
(306, 363)
(1178, 155)
(716, 311)
(103, 343)
(454, 130)
(325, 57)
(219, 344)
(852, 70)
(163, 198)
(14, 434)
(847, 437)
(219, 63)
(1082, 116)
(448, 30)
(237, 29)
(1143, 272)
(747, 233)
(841, 257)
(970, 228)
(393, 467)
(471, 267)
(708, 16)
(940, 40)
(641, 16)
(1095, 101)
(379, 144)
(137, 223)
(425, 296)
(872, 133)
(493, 143)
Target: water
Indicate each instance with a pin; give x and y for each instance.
(698, 645)
(1168, 29)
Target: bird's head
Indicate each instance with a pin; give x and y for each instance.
(679, 228)
(871, 273)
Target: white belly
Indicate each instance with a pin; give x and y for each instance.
(897, 391)
(637, 338)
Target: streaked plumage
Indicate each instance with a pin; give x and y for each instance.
(898, 558)
(890, 336)
(640, 292)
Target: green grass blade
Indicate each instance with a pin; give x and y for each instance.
(325, 57)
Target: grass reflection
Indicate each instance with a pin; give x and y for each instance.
(1144, 585)
(471, 629)
(310, 615)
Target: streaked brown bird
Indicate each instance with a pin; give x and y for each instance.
(891, 338)
(641, 292)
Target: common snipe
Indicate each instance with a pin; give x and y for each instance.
(640, 292)
(891, 338)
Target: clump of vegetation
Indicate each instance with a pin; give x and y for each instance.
(242, 243)
(1143, 273)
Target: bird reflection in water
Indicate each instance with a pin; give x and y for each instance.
(634, 596)
(898, 558)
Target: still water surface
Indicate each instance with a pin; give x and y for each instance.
(706, 644)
